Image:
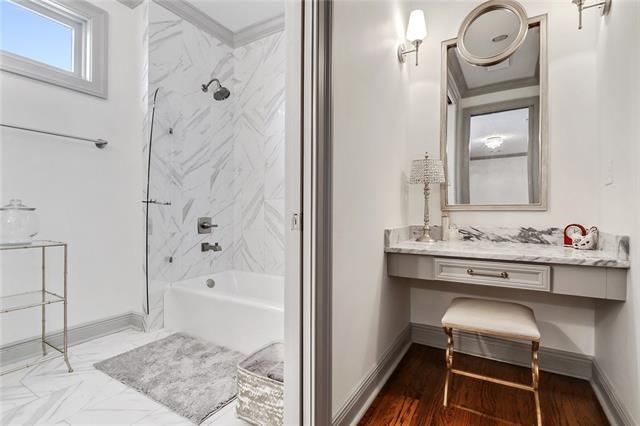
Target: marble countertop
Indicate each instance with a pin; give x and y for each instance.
(533, 253)
(511, 251)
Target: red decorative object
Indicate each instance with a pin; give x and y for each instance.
(572, 231)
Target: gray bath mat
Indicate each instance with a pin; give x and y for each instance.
(190, 376)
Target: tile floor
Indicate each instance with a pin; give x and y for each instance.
(48, 394)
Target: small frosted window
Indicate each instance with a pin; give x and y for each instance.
(36, 37)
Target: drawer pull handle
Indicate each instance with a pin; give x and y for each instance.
(504, 275)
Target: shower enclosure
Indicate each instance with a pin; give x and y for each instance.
(217, 151)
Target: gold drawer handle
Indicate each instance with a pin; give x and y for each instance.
(504, 275)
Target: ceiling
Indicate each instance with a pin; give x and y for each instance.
(237, 15)
(522, 64)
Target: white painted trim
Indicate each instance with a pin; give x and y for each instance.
(131, 4)
(513, 352)
(31, 347)
(293, 289)
(93, 81)
(366, 391)
(198, 18)
(614, 409)
(258, 30)
(201, 20)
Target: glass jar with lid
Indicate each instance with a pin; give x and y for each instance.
(18, 223)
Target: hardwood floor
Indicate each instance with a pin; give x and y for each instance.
(413, 395)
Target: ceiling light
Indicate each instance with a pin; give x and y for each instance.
(493, 142)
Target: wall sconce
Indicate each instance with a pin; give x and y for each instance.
(605, 7)
(416, 32)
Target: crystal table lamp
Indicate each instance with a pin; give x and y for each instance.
(427, 172)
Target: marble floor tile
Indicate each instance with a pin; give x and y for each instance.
(126, 407)
(47, 394)
(163, 416)
(13, 393)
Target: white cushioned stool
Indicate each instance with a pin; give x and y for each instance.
(501, 319)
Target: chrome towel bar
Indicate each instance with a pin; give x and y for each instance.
(99, 143)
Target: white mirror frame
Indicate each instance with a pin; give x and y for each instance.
(540, 21)
(484, 8)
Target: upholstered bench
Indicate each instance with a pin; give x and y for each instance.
(500, 319)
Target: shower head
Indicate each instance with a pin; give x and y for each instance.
(220, 94)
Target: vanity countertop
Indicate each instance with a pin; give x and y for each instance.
(519, 252)
(401, 242)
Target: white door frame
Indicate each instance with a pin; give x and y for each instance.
(308, 194)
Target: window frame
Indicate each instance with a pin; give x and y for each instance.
(89, 62)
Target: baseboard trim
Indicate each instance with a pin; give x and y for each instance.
(613, 408)
(513, 352)
(31, 347)
(366, 391)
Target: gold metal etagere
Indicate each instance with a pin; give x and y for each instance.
(41, 298)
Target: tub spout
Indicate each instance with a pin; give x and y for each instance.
(213, 247)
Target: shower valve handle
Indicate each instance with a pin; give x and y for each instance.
(205, 226)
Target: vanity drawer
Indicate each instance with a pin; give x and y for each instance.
(514, 275)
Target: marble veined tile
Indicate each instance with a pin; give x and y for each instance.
(87, 396)
(13, 393)
(274, 237)
(126, 407)
(214, 159)
(163, 416)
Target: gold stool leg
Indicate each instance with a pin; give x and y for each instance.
(449, 362)
(535, 376)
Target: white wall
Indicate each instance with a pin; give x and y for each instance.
(572, 112)
(87, 197)
(567, 323)
(370, 92)
(618, 95)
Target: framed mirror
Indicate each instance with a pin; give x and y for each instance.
(493, 137)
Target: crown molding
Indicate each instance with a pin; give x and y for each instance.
(195, 16)
(258, 30)
(131, 4)
(198, 18)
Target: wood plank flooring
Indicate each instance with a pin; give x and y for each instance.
(413, 395)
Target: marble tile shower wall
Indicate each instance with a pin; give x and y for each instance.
(219, 159)
(258, 155)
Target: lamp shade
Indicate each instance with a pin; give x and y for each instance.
(427, 171)
(417, 27)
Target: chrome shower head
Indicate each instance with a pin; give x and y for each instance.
(221, 93)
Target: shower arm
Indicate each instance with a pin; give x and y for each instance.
(205, 87)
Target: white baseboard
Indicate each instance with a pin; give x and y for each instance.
(615, 411)
(31, 347)
(369, 387)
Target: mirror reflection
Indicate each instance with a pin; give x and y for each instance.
(493, 133)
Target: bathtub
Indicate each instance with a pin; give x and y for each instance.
(242, 311)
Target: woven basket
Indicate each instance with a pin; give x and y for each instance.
(260, 398)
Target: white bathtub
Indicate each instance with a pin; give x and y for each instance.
(243, 311)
